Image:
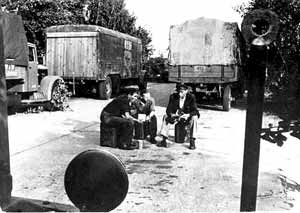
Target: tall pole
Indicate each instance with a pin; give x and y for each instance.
(5, 176)
(259, 29)
(253, 126)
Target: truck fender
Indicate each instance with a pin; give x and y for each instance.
(47, 85)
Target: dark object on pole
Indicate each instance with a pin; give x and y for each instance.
(96, 180)
(259, 29)
(5, 176)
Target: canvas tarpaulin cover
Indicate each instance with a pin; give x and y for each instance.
(15, 41)
(204, 42)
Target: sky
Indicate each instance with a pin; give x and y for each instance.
(158, 15)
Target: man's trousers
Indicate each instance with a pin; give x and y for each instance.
(191, 123)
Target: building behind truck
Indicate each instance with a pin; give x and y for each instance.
(94, 59)
(21, 66)
(207, 54)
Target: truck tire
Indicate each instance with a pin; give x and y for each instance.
(116, 85)
(50, 106)
(227, 98)
(105, 89)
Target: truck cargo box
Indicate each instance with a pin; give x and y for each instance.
(205, 51)
(86, 52)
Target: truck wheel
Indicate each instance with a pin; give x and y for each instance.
(105, 89)
(227, 98)
(116, 85)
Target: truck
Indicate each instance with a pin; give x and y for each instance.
(94, 59)
(25, 84)
(207, 54)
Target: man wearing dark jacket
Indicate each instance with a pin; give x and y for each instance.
(117, 115)
(182, 107)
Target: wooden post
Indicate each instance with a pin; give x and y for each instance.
(259, 29)
(5, 176)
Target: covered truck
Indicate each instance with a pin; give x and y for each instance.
(207, 54)
(94, 59)
(21, 66)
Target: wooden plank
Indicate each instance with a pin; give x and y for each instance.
(49, 56)
(71, 34)
(204, 71)
(93, 63)
(83, 57)
(59, 56)
(63, 68)
(77, 56)
(56, 56)
(202, 80)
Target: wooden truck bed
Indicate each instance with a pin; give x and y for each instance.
(217, 74)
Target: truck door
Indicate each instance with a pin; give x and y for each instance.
(32, 74)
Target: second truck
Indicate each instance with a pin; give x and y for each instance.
(207, 55)
(93, 59)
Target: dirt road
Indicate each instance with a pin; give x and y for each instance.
(174, 179)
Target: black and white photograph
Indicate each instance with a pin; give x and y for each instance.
(149, 106)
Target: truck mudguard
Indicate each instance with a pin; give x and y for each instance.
(47, 85)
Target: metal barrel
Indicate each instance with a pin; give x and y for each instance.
(96, 180)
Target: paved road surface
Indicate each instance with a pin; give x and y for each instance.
(174, 179)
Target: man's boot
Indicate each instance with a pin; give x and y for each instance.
(163, 143)
(152, 140)
(127, 147)
(192, 144)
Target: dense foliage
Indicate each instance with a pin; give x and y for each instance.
(40, 14)
(283, 71)
(156, 66)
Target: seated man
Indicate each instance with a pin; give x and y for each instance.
(146, 105)
(182, 106)
(117, 115)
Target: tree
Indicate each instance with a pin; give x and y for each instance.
(40, 14)
(283, 75)
(113, 15)
(146, 40)
(156, 65)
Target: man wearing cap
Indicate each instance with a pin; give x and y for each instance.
(182, 106)
(117, 115)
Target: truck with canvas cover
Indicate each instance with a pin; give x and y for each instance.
(207, 55)
(94, 59)
(21, 66)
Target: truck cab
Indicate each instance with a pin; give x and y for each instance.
(21, 66)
